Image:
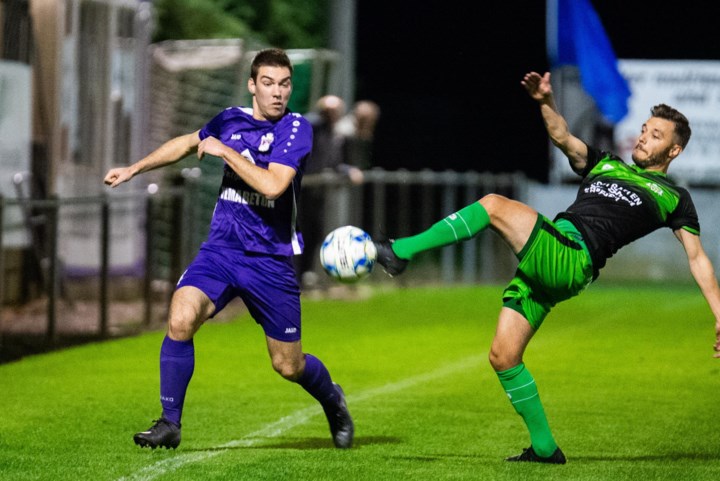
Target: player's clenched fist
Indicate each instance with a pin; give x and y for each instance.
(117, 176)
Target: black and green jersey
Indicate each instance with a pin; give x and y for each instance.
(619, 203)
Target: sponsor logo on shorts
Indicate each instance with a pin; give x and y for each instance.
(290, 330)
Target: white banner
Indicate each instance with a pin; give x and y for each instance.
(693, 88)
(15, 141)
(15, 105)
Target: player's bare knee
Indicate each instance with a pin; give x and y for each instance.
(493, 358)
(181, 328)
(501, 361)
(287, 369)
(179, 332)
(492, 202)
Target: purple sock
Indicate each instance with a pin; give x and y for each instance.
(316, 381)
(177, 362)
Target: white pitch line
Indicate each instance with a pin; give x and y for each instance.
(297, 418)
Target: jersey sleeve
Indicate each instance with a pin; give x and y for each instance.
(685, 216)
(214, 127)
(593, 157)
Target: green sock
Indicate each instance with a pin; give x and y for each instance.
(459, 226)
(523, 394)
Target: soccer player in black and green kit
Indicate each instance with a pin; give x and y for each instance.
(616, 204)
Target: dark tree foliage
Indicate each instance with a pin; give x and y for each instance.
(280, 23)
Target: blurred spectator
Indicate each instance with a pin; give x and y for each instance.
(329, 153)
(358, 128)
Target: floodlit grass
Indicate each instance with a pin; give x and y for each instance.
(626, 375)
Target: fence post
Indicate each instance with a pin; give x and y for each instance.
(449, 205)
(188, 215)
(379, 204)
(329, 216)
(149, 252)
(469, 247)
(180, 235)
(404, 203)
(428, 184)
(2, 269)
(52, 280)
(104, 261)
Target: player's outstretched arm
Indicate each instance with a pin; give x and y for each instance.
(704, 274)
(170, 152)
(540, 89)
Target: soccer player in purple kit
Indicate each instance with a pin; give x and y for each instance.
(249, 249)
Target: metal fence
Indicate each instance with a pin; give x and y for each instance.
(393, 204)
(175, 219)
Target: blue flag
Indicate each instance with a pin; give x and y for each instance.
(575, 36)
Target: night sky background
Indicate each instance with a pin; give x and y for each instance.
(447, 74)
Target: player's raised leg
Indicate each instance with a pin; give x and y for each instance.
(464, 224)
(511, 219)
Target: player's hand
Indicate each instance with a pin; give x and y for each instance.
(117, 176)
(212, 146)
(356, 176)
(538, 87)
(717, 340)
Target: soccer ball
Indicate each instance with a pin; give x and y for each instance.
(348, 254)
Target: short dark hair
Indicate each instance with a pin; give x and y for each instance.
(273, 57)
(682, 126)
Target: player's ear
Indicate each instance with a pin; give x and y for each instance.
(251, 86)
(675, 151)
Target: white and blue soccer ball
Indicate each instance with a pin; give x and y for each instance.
(348, 254)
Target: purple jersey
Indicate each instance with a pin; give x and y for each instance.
(243, 218)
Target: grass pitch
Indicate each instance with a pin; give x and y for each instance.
(626, 375)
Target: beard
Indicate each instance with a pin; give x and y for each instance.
(653, 160)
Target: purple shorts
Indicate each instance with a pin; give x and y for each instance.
(266, 284)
